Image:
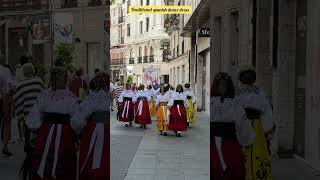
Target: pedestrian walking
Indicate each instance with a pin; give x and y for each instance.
(111, 87)
(191, 112)
(19, 72)
(27, 92)
(258, 110)
(92, 120)
(178, 114)
(162, 110)
(54, 152)
(126, 111)
(230, 131)
(152, 103)
(141, 107)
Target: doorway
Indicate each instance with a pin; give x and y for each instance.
(93, 57)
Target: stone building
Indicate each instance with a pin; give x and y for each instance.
(195, 26)
(145, 44)
(117, 49)
(273, 37)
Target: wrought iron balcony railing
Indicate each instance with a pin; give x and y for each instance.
(119, 61)
(151, 58)
(145, 59)
(139, 59)
(16, 5)
(131, 60)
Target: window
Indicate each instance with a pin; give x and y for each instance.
(141, 27)
(182, 47)
(178, 50)
(128, 5)
(128, 30)
(147, 24)
(141, 2)
(147, 2)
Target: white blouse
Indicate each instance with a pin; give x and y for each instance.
(95, 101)
(141, 94)
(230, 111)
(189, 92)
(178, 96)
(125, 93)
(254, 97)
(163, 98)
(59, 101)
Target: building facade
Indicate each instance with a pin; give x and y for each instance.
(196, 27)
(145, 44)
(284, 50)
(117, 49)
(87, 20)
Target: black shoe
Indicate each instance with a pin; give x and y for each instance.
(165, 134)
(141, 126)
(130, 124)
(178, 134)
(145, 126)
(188, 124)
(126, 125)
(6, 152)
(161, 132)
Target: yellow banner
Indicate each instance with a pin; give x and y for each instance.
(160, 9)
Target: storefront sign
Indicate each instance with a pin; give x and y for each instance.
(204, 32)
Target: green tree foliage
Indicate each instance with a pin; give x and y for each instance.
(64, 55)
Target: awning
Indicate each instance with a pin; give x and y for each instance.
(198, 18)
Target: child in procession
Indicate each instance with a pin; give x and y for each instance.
(178, 114)
(162, 110)
(93, 121)
(141, 107)
(126, 111)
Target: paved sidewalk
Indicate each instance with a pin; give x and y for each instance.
(173, 158)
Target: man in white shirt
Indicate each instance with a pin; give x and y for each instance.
(19, 73)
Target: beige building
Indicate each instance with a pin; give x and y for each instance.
(282, 49)
(87, 18)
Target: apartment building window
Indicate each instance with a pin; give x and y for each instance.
(141, 27)
(147, 2)
(141, 2)
(128, 5)
(182, 47)
(68, 3)
(128, 30)
(94, 3)
(147, 24)
(178, 50)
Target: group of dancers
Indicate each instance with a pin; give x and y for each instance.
(174, 109)
(241, 121)
(62, 125)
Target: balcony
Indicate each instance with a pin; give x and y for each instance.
(151, 58)
(122, 40)
(94, 3)
(145, 59)
(119, 61)
(120, 19)
(139, 59)
(131, 60)
(18, 5)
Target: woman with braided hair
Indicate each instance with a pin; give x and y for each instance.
(93, 121)
(229, 131)
(54, 150)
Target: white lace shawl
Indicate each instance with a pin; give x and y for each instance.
(189, 92)
(254, 97)
(141, 94)
(126, 93)
(162, 98)
(59, 101)
(95, 101)
(178, 96)
(230, 111)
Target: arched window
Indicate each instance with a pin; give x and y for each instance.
(151, 54)
(145, 51)
(131, 53)
(140, 52)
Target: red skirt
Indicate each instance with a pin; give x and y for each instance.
(178, 122)
(85, 168)
(145, 117)
(66, 168)
(130, 116)
(233, 157)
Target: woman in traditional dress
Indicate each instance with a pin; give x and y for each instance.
(152, 103)
(258, 110)
(93, 121)
(126, 112)
(141, 107)
(178, 114)
(230, 130)
(162, 110)
(54, 152)
(191, 112)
